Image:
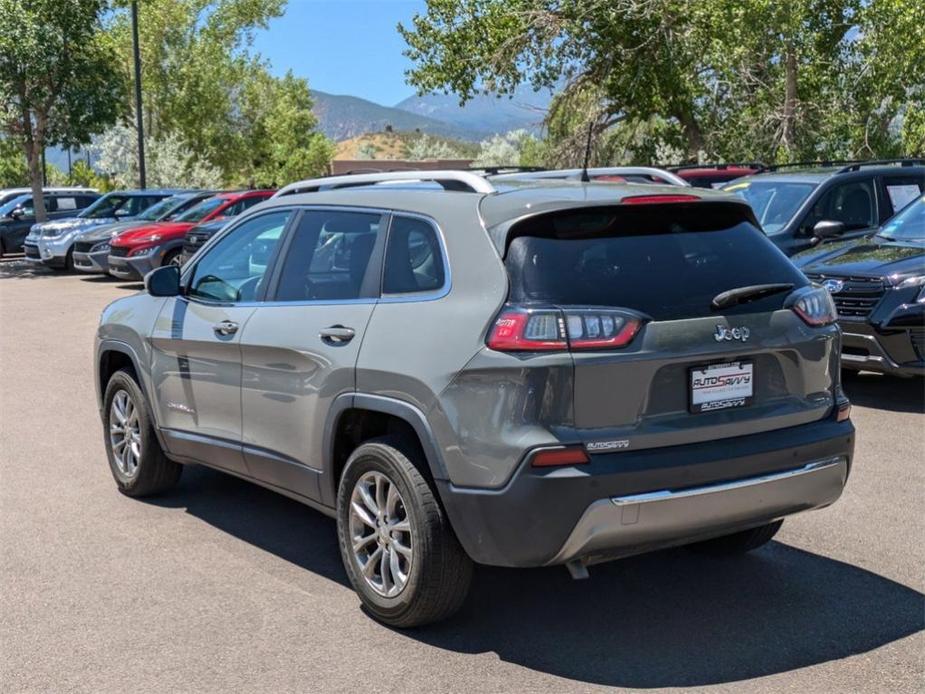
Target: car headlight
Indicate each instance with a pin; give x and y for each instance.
(915, 281)
(99, 247)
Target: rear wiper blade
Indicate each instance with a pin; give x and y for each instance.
(742, 295)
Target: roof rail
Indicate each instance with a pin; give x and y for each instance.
(808, 164)
(881, 162)
(724, 165)
(465, 181)
(575, 174)
(508, 169)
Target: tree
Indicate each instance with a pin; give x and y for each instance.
(13, 170)
(756, 79)
(504, 150)
(204, 85)
(424, 148)
(169, 163)
(60, 80)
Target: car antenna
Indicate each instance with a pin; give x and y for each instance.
(585, 178)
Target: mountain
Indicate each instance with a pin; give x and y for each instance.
(484, 115)
(341, 117)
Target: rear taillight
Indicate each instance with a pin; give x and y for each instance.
(520, 329)
(816, 307)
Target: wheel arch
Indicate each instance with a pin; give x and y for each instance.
(400, 415)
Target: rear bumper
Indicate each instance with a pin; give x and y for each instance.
(627, 503)
(621, 525)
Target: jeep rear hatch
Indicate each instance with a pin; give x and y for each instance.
(683, 321)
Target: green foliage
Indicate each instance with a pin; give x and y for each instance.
(506, 150)
(425, 148)
(203, 85)
(13, 170)
(712, 79)
(60, 81)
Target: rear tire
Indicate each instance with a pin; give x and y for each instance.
(429, 576)
(136, 460)
(739, 543)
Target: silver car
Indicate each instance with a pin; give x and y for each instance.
(512, 372)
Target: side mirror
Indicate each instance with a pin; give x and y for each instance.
(164, 281)
(827, 229)
(17, 213)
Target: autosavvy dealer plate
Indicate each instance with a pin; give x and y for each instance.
(722, 386)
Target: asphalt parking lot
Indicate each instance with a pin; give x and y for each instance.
(223, 586)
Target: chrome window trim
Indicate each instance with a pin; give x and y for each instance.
(409, 297)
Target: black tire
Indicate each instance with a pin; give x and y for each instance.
(154, 473)
(440, 571)
(172, 257)
(739, 543)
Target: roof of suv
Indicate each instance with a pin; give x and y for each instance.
(513, 198)
(810, 173)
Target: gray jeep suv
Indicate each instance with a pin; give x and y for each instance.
(517, 373)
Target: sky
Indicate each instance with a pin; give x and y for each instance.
(343, 46)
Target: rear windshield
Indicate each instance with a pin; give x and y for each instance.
(667, 264)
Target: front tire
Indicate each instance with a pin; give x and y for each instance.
(136, 460)
(739, 543)
(398, 548)
(173, 258)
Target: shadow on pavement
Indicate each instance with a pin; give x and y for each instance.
(885, 392)
(19, 268)
(668, 619)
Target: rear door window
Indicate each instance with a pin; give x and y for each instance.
(853, 203)
(668, 263)
(65, 203)
(331, 257)
(900, 191)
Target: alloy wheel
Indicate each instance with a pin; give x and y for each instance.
(125, 433)
(380, 534)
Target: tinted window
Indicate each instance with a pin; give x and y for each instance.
(106, 206)
(774, 202)
(901, 190)
(202, 210)
(241, 205)
(329, 257)
(234, 268)
(851, 203)
(413, 262)
(669, 266)
(159, 209)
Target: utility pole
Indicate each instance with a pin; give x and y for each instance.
(138, 116)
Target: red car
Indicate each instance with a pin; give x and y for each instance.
(137, 251)
(714, 175)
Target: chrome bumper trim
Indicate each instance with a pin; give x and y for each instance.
(626, 525)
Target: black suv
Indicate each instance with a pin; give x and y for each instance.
(801, 205)
(18, 214)
(878, 284)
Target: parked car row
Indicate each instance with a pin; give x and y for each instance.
(124, 233)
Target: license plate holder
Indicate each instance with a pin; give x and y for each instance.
(725, 386)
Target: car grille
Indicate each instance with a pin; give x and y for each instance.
(31, 251)
(857, 298)
(119, 251)
(194, 242)
(83, 246)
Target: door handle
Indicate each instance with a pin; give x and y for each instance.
(226, 327)
(337, 335)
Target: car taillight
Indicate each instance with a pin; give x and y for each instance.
(816, 307)
(520, 329)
